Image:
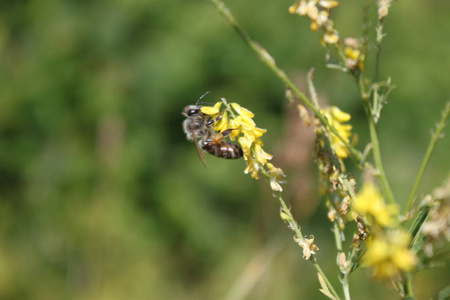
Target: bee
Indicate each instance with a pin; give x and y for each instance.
(199, 128)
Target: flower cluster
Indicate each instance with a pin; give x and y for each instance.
(330, 150)
(355, 57)
(388, 254)
(318, 11)
(240, 121)
(370, 205)
(383, 8)
(336, 118)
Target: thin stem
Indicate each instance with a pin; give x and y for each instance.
(294, 226)
(346, 286)
(377, 158)
(375, 144)
(270, 62)
(408, 288)
(319, 270)
(379, 38)
(434, 138)
(366, 29)
(299, 234)
(337, 236)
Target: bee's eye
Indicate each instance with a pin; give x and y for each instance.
(192, 112)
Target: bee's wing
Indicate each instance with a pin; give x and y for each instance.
(201, 154)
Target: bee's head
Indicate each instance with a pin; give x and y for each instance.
(192, 110)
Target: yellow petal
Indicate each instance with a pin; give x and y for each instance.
(330, 38)
(258, 132)
(222, 125)
(294, 7)
(275, 186)
(242, 111)
(247, 123)
(328, 3)
(211, 110)
(404, 259)
(339, 114)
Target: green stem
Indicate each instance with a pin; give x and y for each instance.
(346, 286)
(270, 62)
(408, 288)
(337, 236)
(434, 138)
(365, 30)
(377, 157)
(299, 234)
(319, 270)
(379, 38)
(375, 144)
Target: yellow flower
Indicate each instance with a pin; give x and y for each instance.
(261, 155)
(328, 4)
(253, 167)
(383, 8)
(388, 254)
(355, 59)
(303, 8)
(371, 206)
(336, 117)
(223, 123)
(276, 177)
(239, 119)
(318, 12)
(242, 111)
(211, 110)
(331, 37)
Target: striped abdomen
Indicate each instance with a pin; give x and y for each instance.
(223, 149)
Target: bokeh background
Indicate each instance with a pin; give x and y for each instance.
(102, 197)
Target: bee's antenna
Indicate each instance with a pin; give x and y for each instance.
(207, 92)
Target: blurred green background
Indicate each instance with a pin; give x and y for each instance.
(102, 197)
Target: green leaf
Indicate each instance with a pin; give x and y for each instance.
(444, 294)
(324, 288)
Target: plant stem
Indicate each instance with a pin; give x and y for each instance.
(300, 235)
(365, 95)
(434, 138)
(346, 287)
(379, 38)
(377, 157)
(293, 225)
(365, 30)
(408, 288)
(270, 62)
(319, 270)
(337, 236)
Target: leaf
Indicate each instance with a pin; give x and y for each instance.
(444, 293)
(324, 288)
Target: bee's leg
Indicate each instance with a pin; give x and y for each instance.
(219, 136)
(210, 122)
(227, 132)
(216, 138)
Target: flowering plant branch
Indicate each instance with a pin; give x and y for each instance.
(382, 241)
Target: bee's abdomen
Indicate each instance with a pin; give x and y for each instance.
(223, 149)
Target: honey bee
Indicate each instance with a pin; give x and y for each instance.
(199, 128)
